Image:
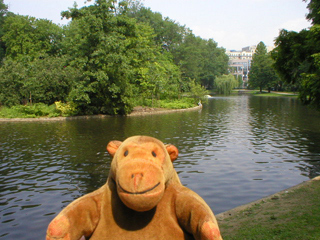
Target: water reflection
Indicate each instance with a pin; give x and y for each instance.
(236, 150)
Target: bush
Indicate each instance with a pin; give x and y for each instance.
(66, 109)
(42, 80)
(197, 91)
(29, 111)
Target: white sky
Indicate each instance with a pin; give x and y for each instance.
(233, 24)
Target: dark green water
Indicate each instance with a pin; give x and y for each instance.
(235, 150)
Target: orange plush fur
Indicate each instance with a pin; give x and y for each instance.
(143, 198)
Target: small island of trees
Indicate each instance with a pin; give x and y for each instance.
(112, 56)
(115, 55)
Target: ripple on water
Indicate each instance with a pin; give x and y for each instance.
(236, 150)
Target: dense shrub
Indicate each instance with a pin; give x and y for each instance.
(29, 111)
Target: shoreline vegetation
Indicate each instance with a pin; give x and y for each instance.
(114, 55)
(266, 93)
(42, 112)
(110, 57)
(293, 213)
(137, 111)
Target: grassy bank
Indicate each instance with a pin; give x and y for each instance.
(292, 214)
(275, 94)
(30, 111)
(59, 109)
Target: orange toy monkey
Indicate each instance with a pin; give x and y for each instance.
(143, 198)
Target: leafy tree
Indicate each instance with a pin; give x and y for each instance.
(240, 81)
(115, 55)
(215, 63)
(313, 15)
(188, 56)
(112, 55)
(200, 60)
(225, 83)
(262, 73)
(96, 46)
(197, 58)
(12, 76)
(198, 92)
(310, 84)
(291, 55)
(168, 33)
(296, 57)
(50, 79)
(27, 37)
(159, 79)
(3, 12)
(43, 80)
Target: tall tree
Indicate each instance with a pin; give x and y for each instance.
(42, 80)
(117, 55)
(313, 15)
(297, 57)
(118, 51)
(29, 37)
(168, 33)
(262, 73)
(96, 42)
(215, 63)
(188, 56)
(291, 55)
(3, 13)
(198, 59)
(225, 83)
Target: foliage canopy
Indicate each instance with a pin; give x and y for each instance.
(225, 83)
(297, 57)
(112, 56)
(262, 73)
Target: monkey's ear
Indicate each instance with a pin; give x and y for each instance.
(113, 146)
(173, 152)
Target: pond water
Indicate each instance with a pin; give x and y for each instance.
(233, 151)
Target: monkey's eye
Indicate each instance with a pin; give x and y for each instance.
(154, 154)
(126, 153)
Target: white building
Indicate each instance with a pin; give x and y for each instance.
(240, 62)
(245, 53)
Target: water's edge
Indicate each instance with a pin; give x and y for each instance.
(237, 210)
(97, 116)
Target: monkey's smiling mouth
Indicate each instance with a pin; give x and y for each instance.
(138, 193)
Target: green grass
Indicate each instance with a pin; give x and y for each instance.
(266, 94)
(177, 104)
(61, 109)
(277, 94)
(29, 111)
(293, 215)
(184, 102)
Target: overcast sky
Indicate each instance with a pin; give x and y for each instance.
(233, 24)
